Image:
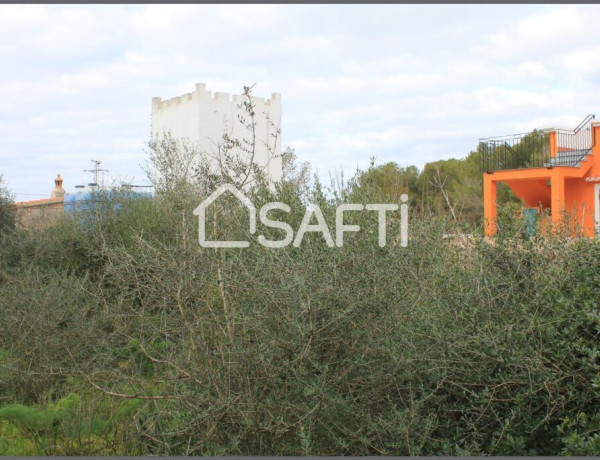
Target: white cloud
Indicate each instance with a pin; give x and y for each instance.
(544, 33)
(404, 83)
(582, 64)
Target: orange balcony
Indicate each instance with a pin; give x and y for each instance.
(556, 171)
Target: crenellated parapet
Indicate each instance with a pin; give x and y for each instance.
(201, 94)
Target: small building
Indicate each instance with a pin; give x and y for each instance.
(555, 171)
(37, 214)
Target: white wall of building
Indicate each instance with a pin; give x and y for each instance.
(201, 119)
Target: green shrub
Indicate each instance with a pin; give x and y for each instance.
(450, 346)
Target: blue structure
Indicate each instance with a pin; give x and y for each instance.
(86, 198)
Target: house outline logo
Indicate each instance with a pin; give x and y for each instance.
(305, 226)
(200, 211)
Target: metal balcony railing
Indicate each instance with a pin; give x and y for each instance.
(559, 147)
(573, 146)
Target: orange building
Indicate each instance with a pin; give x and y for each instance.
(37, 214)
(556, 171)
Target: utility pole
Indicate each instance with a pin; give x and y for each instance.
(96, 170)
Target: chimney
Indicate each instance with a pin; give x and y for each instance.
(58, 191)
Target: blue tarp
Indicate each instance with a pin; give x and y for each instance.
(85, 199)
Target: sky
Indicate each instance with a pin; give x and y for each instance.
(404, 83)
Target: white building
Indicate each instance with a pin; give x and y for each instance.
(202, 120)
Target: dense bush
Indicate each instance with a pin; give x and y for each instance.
(120, 334)
(7, 217)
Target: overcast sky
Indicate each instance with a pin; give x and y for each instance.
(403, 83)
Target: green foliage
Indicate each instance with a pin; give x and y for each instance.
(121, 335)
(386, 183)
(581, 435)
(439, 348)
(70, 426)
(14, 441)
(532, 150)
(447, 187)
(7, 217)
